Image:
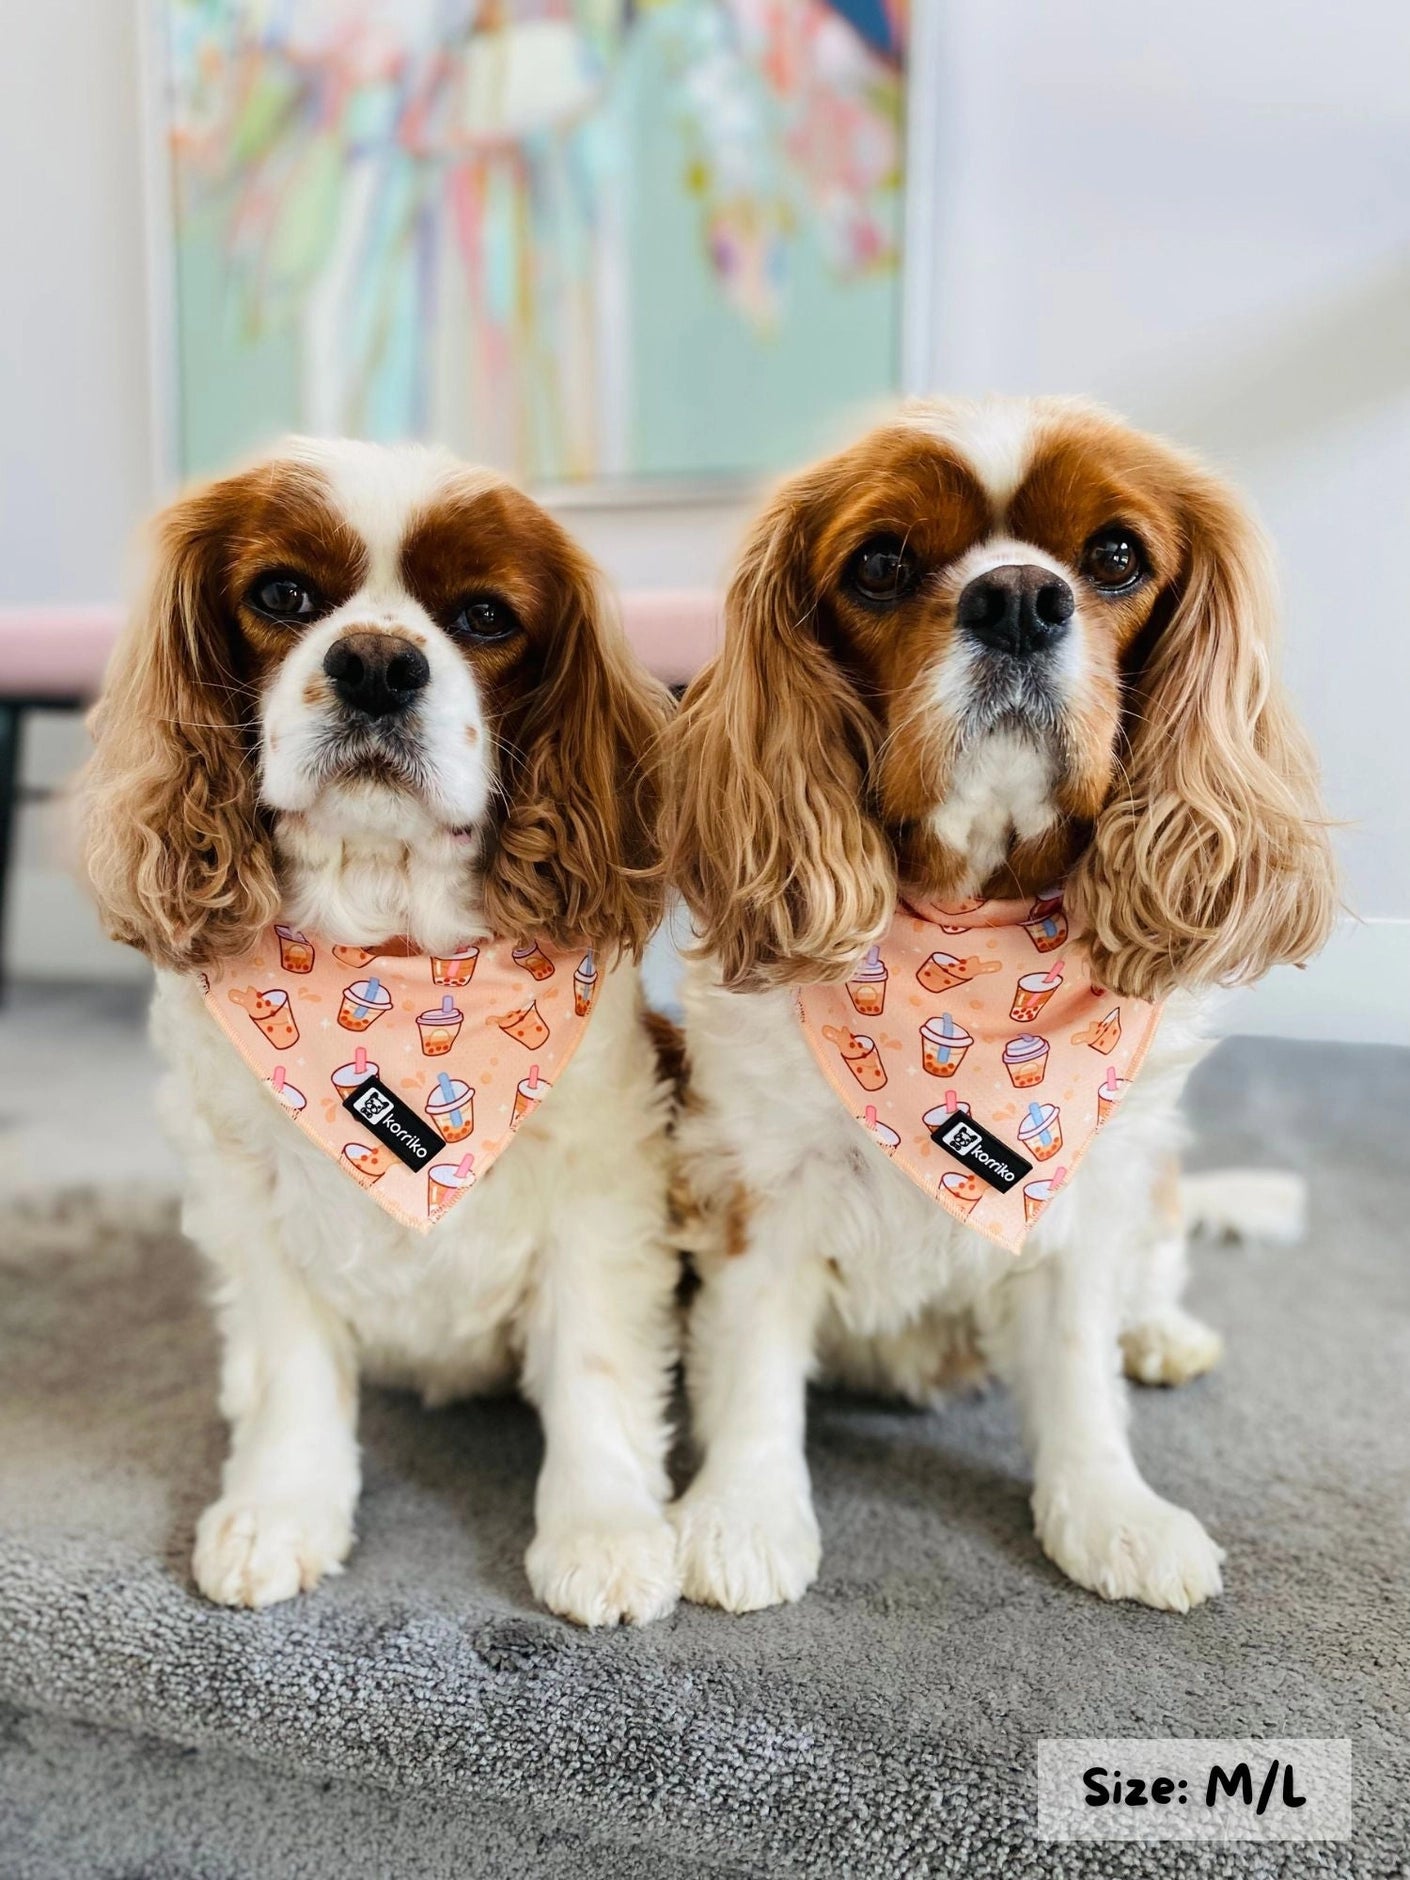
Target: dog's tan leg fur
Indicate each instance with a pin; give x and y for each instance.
(1162, 1343)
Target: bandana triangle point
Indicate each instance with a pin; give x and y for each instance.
(969, 1048)
(400, 1065)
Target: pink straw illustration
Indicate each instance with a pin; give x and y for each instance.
(360, 1060)
(532, 1080)
(870, 1116)
(1057, 1178)
(279, 1077)
(1110, 1083)
(1053, 976)
(952, 1102)
(463, 1167)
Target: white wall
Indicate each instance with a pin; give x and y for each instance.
(1199, 212)
(75, 453)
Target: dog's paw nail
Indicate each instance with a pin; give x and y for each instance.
(744, 1550)
(253, 1553)
(606, 1572)
(1170, 1349)
(1129, 1544)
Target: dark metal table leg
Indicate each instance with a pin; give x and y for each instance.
(11, 721)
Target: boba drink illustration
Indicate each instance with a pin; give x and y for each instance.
(1110, 1091)
(364, 1002)
(349, 1077)
(944, 1112)
(454, 969)
(528, 1096)
(271, 1011)
(534, 960)
(526, 1028)
(1103, 1034)
(1046, 925)
(1032, 993)
(859, 1054)
(369, 1161)
(881, 1133)
(440, 1028)
(1040, 1132)
(965, 906)
(585, 985)
(867, 986)
(451, 1108)
(446, 1181)
(942, 972)
(293, 1100)
(354, 956)
(961, 1190)
(1026, 1060)
(943, 1043)
(1037, 1194)
(295, 950)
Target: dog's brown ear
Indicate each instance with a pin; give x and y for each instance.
(573, 856)
(176, 849)
(1212, 863)
(766, 830)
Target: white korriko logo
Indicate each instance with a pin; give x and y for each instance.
(961, 1139)
(372, 1106)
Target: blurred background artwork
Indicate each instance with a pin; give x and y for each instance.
(535, 230)
(1199, 214)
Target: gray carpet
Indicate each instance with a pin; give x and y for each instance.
(420, 1717)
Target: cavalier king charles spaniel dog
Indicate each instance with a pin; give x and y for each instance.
(990, 648)
(373, 692)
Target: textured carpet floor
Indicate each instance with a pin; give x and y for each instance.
(419, 1717)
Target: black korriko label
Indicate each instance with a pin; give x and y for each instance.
(383, 1115)
(971, 1144)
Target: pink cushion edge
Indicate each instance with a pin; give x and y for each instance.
(62, 651)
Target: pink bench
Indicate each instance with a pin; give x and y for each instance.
(52, 658)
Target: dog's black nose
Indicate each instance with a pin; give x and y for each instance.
(1019, 610)
(376, 673)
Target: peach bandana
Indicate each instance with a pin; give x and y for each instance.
(442, 1057)
(980, 1024)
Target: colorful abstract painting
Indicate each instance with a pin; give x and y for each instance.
(579, 239)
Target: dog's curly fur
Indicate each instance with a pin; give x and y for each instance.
(230, 783)
(841, 745)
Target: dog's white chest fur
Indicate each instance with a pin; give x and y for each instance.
(440, 1311)
(1001, 790)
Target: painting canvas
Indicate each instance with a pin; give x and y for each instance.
(583, 240)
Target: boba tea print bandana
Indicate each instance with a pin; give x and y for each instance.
(411, 1071)
(974, 1048)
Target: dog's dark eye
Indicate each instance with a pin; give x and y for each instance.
(1113, 561)
(485, 618)
(882, 571)
(283, 597)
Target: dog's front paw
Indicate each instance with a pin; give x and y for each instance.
(1170, 1348)
(604, 1572)
(253, 1553)
(1126, 1543)
(745, 1547)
